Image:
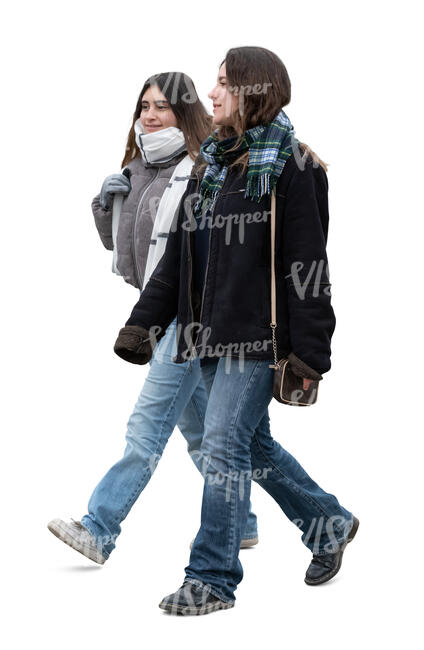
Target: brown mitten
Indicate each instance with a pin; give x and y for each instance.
(301, 369)
(133, 344)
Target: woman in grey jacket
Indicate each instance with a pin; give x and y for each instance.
(169, 124)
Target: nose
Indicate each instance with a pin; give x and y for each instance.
(212, 94)
(151, 113)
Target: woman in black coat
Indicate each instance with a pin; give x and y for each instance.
(215, 276)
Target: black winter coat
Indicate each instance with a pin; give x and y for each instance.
(235, 311)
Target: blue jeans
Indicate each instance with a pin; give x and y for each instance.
(237, 446)
(172, 395)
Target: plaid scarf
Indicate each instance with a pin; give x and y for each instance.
(269, 147)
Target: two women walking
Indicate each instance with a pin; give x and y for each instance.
(202, 321)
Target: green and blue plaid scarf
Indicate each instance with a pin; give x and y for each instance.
(269, 146)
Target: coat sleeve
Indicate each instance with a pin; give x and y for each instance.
(158, 302)
(103, 221)
(304, 258)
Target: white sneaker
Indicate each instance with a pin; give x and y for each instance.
(77, 537)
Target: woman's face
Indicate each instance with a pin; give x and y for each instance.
(225, 103)
(156, 113)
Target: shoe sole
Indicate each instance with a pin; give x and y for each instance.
(63, 534)
(245, 543)
(333, 572)
(187, 610)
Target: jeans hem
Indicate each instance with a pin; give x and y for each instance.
(209, 589)
(91, 529)
(340, 542)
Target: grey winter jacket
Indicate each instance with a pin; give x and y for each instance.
(148, 182)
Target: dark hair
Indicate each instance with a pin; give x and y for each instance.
(248, 68)
(191, 115)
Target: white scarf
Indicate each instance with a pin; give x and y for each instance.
(166, 211)
(159, 146)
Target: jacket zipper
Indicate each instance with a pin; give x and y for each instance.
(137, 272)
(192, 351)
(193, 347)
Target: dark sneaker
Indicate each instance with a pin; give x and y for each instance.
(75, 535)
(324, 567)
(245, 543)
(191, 600)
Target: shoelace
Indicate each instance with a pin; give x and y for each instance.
(78, 523)
(325, 560)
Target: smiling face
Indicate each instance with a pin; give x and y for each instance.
(156, 113)
(225, 103)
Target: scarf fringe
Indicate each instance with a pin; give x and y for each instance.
(269, 147)
(206, 203)
(257, 187)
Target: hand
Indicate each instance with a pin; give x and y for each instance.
(113, 184)
(133, 345)
(301, 369)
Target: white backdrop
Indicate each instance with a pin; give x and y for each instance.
(71, 75)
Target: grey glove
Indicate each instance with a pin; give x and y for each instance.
(113, 184)
(133, 344)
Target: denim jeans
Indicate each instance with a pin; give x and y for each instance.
(173, 394)
(237, 446)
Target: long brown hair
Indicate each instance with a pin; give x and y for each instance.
(250, 67)
(191, 115)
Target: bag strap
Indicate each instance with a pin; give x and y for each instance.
(273, 322)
